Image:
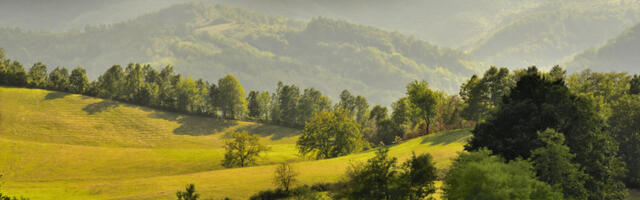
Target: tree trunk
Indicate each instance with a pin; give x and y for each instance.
(428, 123)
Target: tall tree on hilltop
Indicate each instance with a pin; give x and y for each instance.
(78, 81)
(37, 76)
(230, 97)
(59, 79)
(424, 99)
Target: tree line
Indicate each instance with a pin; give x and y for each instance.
(287, 105)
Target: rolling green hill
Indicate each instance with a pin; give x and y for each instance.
(61, 146)
(619, 54)
(208, 41)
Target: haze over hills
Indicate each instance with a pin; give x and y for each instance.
(553, 32)
(208, 41)
(619, 54)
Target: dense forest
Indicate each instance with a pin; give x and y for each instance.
(210, 40)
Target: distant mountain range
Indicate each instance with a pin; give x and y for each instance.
(208, 41)
(620, 54)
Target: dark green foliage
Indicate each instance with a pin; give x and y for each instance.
(387, 132)
(536, 104)
(381, 178)
(480, 175)
(330, 134)
(59, 79)
(37, 76)
(634, 87)
(625, 126)
(373, 180)
(242, 149)
(378, 113)
(110, 83)
(12, 73)
(188, 194)
(482, 95)
(418, 177)
(553, 165)
(311, 102)
(285, 176)
(252, 104)
(78, 81)
(288, 103)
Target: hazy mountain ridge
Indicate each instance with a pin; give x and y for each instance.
(619, 54)
(207, 41)
(553, 32)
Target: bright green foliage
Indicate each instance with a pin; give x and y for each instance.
(480, 175)
(329, 135)
(381, 178)
(59, 79)
(425, 100)
(625, 126)
(635, 85)
(553, 165)
(536, 104)
(37, 76)
(188, 95)
(188, 194)
(264, 105)
(242, 149)
(603, 87)
(482, 95)
(230, 97)
(78, 81)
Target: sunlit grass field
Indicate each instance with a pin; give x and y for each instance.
(61, 146)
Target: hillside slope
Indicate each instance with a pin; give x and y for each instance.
(554, 31)
(41, 163)
(208, 41)
(619, 54)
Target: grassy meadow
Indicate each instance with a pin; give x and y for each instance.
(56, 145)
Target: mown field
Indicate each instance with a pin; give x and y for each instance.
(56, 145)
(62, 146)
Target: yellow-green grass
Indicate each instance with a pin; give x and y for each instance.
(236, 183)
(56, 117)
(61, 146)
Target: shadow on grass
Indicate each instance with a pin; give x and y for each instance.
(448, 137)
(55, 95)
(99, 106)
(264, 130)
(195, 125)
